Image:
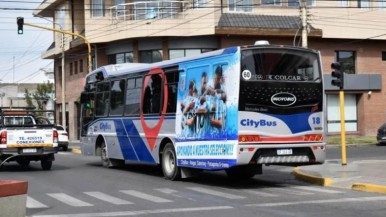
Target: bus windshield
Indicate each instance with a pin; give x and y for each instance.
(277, 64)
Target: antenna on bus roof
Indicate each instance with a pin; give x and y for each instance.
(262, 42)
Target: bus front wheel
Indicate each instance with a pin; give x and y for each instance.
(169, 163)
(105, 160)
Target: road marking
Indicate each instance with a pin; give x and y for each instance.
(340, 200)
(215, 193)
(166, 190)
(141, 212)
(33, 204)
(288, 191)
(260, 193)
(67, 199)
(322, 190)
(108, 198)
(146, 196)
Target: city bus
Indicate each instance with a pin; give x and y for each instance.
(234, 109)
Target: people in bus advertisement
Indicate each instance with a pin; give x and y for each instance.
(204, 104)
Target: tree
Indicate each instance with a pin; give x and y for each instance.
(40, 96)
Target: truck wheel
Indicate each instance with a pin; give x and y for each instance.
(169, 163)
(46, 164)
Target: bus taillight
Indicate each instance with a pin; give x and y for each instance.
(249, 138)
(257, 138)
(313, 137)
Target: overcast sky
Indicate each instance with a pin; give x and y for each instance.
(20, 55)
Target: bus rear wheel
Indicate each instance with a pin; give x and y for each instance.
(169, 163)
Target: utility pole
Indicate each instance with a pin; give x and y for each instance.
(303, 10)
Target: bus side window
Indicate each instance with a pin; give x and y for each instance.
(117, 97)
(152, 95)
(102, 100)
(133, 93)
(172, 81)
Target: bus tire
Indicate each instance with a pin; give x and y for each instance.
(106, 163)
(169, 163)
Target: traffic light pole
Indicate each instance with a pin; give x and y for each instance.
(342, 127)
(63, 82)
(69, 33)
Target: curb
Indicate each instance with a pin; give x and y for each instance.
(312, 179)
(369, 188)
(13, 198)
(76, 150)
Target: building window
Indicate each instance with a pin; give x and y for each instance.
(343, 3)
(80, 66)
(200, 3)
(76, 67)
(381, 3)
(241, 5)
(383, 55)
(150, 56)
(346, 60)
(363, 3)
(120, 58)
(97, 8)
(295, 3)
(271, 2)
(333, 114)
(177, 53)
(71, 69)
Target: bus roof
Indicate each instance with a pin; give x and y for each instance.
(112, 69)
(171, 62)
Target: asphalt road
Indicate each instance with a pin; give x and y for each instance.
(79, 186)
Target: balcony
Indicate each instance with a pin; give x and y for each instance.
(148, 10)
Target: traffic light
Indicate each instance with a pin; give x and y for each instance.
(338, 75)
(20, 23)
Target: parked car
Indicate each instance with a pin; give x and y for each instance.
(62, 137)
(381, 134)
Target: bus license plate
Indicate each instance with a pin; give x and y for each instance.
(29, 150)
(286, 151)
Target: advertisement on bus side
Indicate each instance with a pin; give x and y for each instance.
(207, 105)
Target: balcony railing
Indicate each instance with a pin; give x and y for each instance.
(148, 10)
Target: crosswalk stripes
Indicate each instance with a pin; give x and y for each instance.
(34, 204)
(145, 196)
(260, 193)
(69, 200)
(215, 193)
(108, 198)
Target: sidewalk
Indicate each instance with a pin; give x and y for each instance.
(364, 175)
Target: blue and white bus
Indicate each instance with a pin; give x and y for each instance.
(233, 109)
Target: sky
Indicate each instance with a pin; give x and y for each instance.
(20, 55)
